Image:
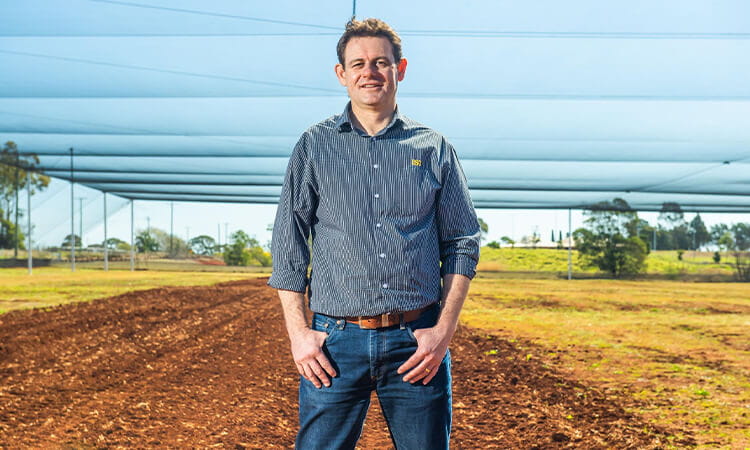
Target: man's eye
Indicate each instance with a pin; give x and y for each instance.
(383, 63)
(357, 65)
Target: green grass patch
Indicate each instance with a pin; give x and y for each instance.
(544, 260)
(674, 346)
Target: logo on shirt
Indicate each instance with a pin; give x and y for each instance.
(416, 162)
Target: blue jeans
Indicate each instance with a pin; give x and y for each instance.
(418, 416)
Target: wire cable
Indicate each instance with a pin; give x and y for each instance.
(214, 14)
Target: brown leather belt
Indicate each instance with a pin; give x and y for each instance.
(386, 319)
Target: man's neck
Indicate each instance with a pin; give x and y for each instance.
(371, 121)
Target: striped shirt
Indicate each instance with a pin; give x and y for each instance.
(388, 214)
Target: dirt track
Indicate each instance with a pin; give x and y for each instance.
(210, 367)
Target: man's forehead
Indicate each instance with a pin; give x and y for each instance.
(363, 47)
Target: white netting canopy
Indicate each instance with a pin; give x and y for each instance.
(549, 104)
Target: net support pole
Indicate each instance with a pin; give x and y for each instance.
(570, 244)
(106, 247)
(28, 221)
(171, 229)
(72, 216)
(132, 239)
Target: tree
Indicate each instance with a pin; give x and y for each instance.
(146, 242)
(245, 250)
(741, 237)
(235, 254)
(202, 245)
(174, 244)
(699, 232)
(671, 215)
(72, 238)
(531, 240)
(114, 243)
(13, 178)
(493, 244)
(605, 241)
(483, 229)
(508, 241)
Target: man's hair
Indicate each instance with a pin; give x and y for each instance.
(369, 28)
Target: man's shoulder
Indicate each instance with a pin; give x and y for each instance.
(419, 128)
(325, 126)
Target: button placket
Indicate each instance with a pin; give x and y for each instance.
(377, 184)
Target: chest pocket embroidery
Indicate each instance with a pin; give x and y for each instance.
(416, 162)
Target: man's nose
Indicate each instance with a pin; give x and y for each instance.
(369, 69)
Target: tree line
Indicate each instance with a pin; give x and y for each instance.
(242, 250)
(617, 241)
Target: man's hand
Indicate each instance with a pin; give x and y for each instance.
(307, 350)
(432, 344)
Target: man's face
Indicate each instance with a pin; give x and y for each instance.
(370, 74)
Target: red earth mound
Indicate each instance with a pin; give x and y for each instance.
(210, 367)
(210, 262)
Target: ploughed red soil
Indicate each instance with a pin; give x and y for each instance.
(210, 367)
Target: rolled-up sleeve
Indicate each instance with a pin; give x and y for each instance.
(457, 223)
(291, 228)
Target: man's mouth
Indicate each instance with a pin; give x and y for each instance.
(371, 85)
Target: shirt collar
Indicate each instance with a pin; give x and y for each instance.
(344, 123)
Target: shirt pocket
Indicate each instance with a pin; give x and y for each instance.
(415, 188)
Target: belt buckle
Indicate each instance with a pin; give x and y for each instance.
(385, 320)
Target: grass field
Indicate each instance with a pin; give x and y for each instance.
(49, 286)
(659, 263)
(680, 349)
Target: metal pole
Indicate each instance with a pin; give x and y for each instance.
(80, 220)
(15, 229)
(132, 239)
(28, 219)
(72, 216)
(570, 245)
(171, 228)
(106, 249)
(226, 232)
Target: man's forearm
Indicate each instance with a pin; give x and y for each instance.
(455, 289)
(293, 304)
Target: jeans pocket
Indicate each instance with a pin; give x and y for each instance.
(326, 325)
(410, 333)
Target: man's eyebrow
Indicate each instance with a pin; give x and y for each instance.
(374, 59)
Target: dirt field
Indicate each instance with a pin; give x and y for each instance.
(210, 367)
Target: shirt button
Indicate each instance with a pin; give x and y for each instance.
(385, 285)
(378, 225)
(375, 166)
(382, 255)
(377, 195)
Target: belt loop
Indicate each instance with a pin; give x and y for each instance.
(401, 322)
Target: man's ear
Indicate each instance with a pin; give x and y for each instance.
(339, 69)
(402, 69)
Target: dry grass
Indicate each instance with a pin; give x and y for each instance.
(49, 286)
(681, 349)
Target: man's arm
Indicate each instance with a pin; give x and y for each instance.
(433, 342)
(291, 257)
(307, 344)
(459, 252)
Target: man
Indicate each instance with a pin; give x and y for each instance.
(387, 205)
